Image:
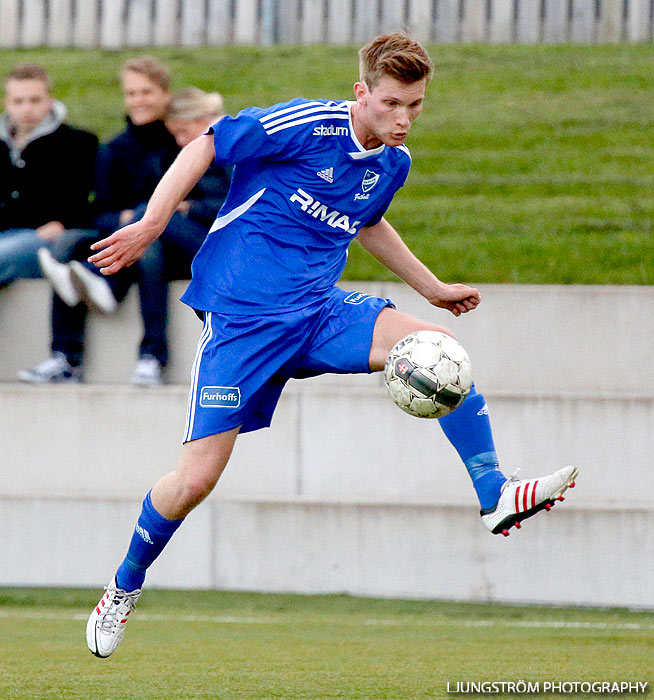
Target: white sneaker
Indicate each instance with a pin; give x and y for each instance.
(520, 499)
(106, 625)
(92, 289)
(148, 372)
(55, 370)
(58, 274)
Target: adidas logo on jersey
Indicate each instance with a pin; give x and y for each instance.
(327, 174)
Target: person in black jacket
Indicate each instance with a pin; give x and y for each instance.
(188, 115)
(46, 173)
(133, 162)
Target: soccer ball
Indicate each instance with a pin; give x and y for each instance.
(428, 374)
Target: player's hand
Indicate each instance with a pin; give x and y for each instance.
(456, 298)
(123, 248)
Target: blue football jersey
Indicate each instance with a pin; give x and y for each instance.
(302, 188)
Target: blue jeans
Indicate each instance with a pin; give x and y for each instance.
(18, 248)
(167, 258)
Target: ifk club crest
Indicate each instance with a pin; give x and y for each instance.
(369, 180)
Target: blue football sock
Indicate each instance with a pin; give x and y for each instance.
(151, 534)
(469, 430)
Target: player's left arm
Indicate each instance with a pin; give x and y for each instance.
(383, 242)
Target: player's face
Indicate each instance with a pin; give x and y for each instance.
(187, 130)
(387, 111)
(145, 101)
(27, 102)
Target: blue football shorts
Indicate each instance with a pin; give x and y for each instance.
(243, 362)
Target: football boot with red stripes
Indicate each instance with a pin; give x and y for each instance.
(106, 625)
(522, 498)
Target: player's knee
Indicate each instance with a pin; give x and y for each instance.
(391, 329)
(447, 331)
(427, 326)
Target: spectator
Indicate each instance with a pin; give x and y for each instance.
(129, 168)
(188, 115)
(46, 173)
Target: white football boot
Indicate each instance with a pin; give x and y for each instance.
(522, 498)
(106, 625)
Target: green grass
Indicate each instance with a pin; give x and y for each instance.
(247, 646)
(532, 164)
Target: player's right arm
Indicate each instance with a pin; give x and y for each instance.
(252, 134)
(125, 246)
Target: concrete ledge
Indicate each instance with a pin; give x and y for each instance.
(363, 499)
(111, 341)
(548, 340)
(327, 444)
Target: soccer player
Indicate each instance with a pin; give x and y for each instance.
(309, 176)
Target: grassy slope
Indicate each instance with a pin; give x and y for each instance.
(531, 164)
(268, 646)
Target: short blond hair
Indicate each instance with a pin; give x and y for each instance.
(30, 71)
(395, 55)
(152, 68)
(193, 103)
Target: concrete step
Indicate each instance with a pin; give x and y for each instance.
(327, 443)
(523, 340)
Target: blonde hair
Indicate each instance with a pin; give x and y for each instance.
(193, 103)
(395, 55)
(152, 68)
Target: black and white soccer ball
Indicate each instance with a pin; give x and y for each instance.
(428, 374)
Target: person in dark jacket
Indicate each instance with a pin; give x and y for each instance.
(187, 115)
(46, 173)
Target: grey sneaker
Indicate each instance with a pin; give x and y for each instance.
(106, 625)
(55, 370)
(58, 274)
(148, 372)
(92, 289)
